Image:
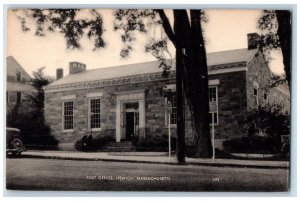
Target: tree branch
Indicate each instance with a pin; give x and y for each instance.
(166, 25)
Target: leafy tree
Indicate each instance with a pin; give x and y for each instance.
(276, 25)
(39, 81)
(266, 131)
(269, 120)
(36, 132)
(185, 35)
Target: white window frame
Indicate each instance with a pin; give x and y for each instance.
(67, 98)
(90, 115)
(91, 96)
(63, 116)
(217, 103)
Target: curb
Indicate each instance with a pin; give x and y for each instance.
(158, 162)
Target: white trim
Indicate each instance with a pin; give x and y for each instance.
(213, 82)
(127, 97)
(68, 97)
(131, 95)
(94, 95)
(227, 70)
(89, 114)
(63, 119)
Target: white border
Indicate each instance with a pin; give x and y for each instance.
(209, 4)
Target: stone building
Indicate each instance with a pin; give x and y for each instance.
(280, 95)
(126, 101)
(17, 87)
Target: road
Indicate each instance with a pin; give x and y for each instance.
(51, 174)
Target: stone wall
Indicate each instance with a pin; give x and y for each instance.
(154, 106)
(231, 97)
(232, 104)
(258, 73)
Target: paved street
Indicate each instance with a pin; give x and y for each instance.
(51, 174)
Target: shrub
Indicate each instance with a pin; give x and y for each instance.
(88, 143)
(154, 143)
(254, 144)
(101, 142)
(85, 143)
(35, 132)
(268, 121)
(191, 151)
(264, 127)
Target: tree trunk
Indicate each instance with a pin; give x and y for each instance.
(195, 77)
(178, 31)
(197, 87)
(284, 33)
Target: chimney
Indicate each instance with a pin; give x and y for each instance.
(59, 73)
(76, 67)
(253, 40)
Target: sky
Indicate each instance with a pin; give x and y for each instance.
(225, 30)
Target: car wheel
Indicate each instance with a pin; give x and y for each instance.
(17, 143)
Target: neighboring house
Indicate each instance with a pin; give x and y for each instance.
(280, 95)
(125, 101)
(17, 87)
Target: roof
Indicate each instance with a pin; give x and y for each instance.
(13, 66)
(283, 88)
(213, 59)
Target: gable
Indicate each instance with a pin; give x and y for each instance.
(12, 67)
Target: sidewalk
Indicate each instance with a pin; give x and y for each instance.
(153, 157)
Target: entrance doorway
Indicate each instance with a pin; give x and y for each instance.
(131, 117)
(130, 125)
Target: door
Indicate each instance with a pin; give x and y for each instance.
(129, 125)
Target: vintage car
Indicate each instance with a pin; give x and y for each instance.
(14, 142)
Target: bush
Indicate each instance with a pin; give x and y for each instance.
(85, 143)
(264, 127)
(255, 144)
(267, 121)
(191, 151)
(35, 132)
(101, 142)
(88, 143)
(154, 143)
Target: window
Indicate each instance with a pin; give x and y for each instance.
(213, 104)
(171, 99)
(18, 97)
(94, 113)
(12, 97)
(68, 115)
(18, 76)
(255, 94)
(266, 98)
